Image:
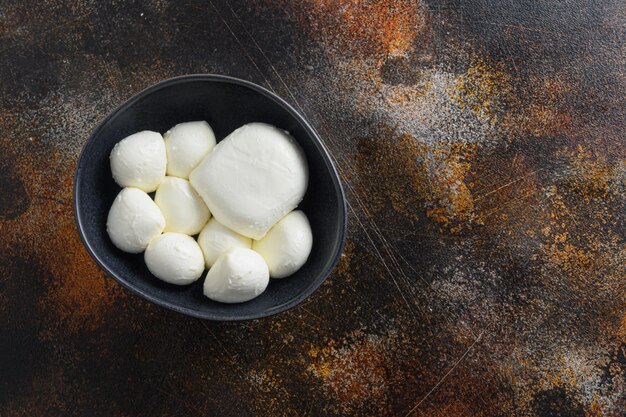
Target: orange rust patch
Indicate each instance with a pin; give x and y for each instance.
(592, 175)
(560, 377)
(355, 373)
(450, 199)
(506, 193)
(485, 89)
(419, 178)
(265, 380)
(399, 161)
(401, 95)
(581, 255)
(343, 267)
(489, 90)
(78, 293)
(377, 29)
(583, 252)
(275, 398)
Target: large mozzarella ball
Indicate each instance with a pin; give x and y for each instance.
(252, 178)
(134, 220)
(175, 258)
(238, 275)
(139, 161)
(287, 246)
(216, 239)
(182, 207)
(186, 144)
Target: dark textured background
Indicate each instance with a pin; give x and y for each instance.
(481, 144)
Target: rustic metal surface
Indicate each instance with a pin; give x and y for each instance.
(482, 148)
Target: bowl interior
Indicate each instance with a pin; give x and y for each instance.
(225, 103)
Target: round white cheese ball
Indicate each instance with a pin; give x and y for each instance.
(175, 258)
(186, 144)
(238, 275)
(216, 239)
(139, 161)
(252, 178)
(134, 220)
(182, 207)
(287, 246)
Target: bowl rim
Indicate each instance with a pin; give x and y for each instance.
(173, 306)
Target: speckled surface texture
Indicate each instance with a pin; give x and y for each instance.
(482, 149)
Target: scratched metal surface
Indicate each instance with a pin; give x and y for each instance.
(481, 144)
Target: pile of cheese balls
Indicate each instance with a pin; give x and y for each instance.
(238, 197)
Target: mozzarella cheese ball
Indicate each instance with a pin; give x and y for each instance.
(134, 220)
(139, 161)
(287, 246)
(182, 207)
(186, 144)
(238, 275)
(252, 178)
(216, 239)
(175, 258)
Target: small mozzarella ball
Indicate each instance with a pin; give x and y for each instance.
(186, 145)
(216, 239)
(238, 275)
(287, 246)
(134, 220)
(175, 258)
(182, 207)
(139, 161)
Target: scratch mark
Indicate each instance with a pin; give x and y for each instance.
(51, 30)
(382, 260)
(280, 78)
(302, 110)
(446, 375)
(514, 163)
(509, 203)
(311, 313)
(507, 184)
(243, 48)
(368, 217)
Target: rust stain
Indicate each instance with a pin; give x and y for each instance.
(485, 89)
(343, 268)
(565, 225)
(592, 175)
(377, 29)
(355, 372)
(449, 198)
(421, 179)
(272, 397)
(399, 160)
(78, 293)
(533, 106)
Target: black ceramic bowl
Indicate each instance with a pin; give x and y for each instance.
(225, 103)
